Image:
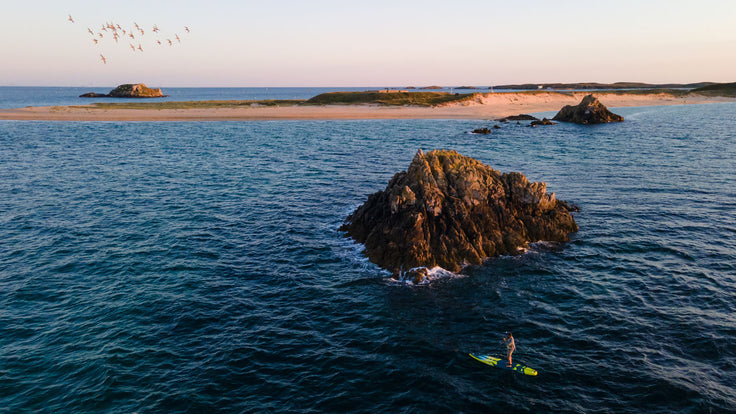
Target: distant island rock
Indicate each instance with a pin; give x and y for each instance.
(449, 210)
(128, 90)
(431, 87)
(588, 111)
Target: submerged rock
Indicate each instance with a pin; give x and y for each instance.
(449, 210)
(483, 131)
(588, 111)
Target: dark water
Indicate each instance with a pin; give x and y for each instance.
(196, 267)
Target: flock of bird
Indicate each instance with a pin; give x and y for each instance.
(132, 35)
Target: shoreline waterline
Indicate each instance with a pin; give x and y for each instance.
(482, 106)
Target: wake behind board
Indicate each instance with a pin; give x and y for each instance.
(503, 364)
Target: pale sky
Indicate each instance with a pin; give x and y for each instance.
(368, 43)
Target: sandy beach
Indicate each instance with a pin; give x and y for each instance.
(483, 106)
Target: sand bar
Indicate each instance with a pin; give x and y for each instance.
(482, 106)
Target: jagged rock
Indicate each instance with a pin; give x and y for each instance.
(448, 210)
(588, 111)
(137, 90)
(483, 131)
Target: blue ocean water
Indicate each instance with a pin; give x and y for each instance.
(197, 267)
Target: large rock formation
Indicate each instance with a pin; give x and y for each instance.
(448, 210)
(128, 90)
(588, 111)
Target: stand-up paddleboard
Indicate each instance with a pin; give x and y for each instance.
(503, 364)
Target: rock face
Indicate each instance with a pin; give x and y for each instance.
(128, 90)
(138, 90)
(588, 111)
(448, 210)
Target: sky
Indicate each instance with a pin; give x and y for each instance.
(285, 43)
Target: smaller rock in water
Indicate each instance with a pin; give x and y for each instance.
(483, 131)
(588, 111)
(544, 121)
(522, 117)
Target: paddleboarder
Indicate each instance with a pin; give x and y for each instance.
(508, 340)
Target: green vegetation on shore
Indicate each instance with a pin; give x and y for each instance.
(388, 98)
(195, 104)
(720, 89)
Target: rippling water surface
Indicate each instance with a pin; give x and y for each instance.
(197, 267)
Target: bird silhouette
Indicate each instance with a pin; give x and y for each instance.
(132, 47)
(169, 40)
(177, 38)
(139, 47)
(102, 58)
(70, 18)
(186, 28)
(90, 31)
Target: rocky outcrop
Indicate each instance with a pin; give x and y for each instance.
(483, 131)
(94, 95)
(448, 210)
(588, 111)
(138, 90)
(522, 117)
(544, 121)
(128, 90)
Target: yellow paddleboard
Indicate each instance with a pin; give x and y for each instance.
(503, 364)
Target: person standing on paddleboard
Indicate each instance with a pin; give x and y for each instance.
(508, 340)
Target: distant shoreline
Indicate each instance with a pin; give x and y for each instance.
(472, 106)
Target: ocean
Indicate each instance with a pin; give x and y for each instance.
(192, 267)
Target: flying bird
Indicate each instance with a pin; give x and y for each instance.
(102, 58)
(155, 28)
(132, 47)
(177, 38)
(186, 28)
(95, 40)
(70, 18)
(139, 47)
(90, 31)
(169, 40)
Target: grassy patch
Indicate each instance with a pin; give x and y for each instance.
(388, 99)
(195, 104)
(721, 89)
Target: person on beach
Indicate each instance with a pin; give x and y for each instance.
(508, 340)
